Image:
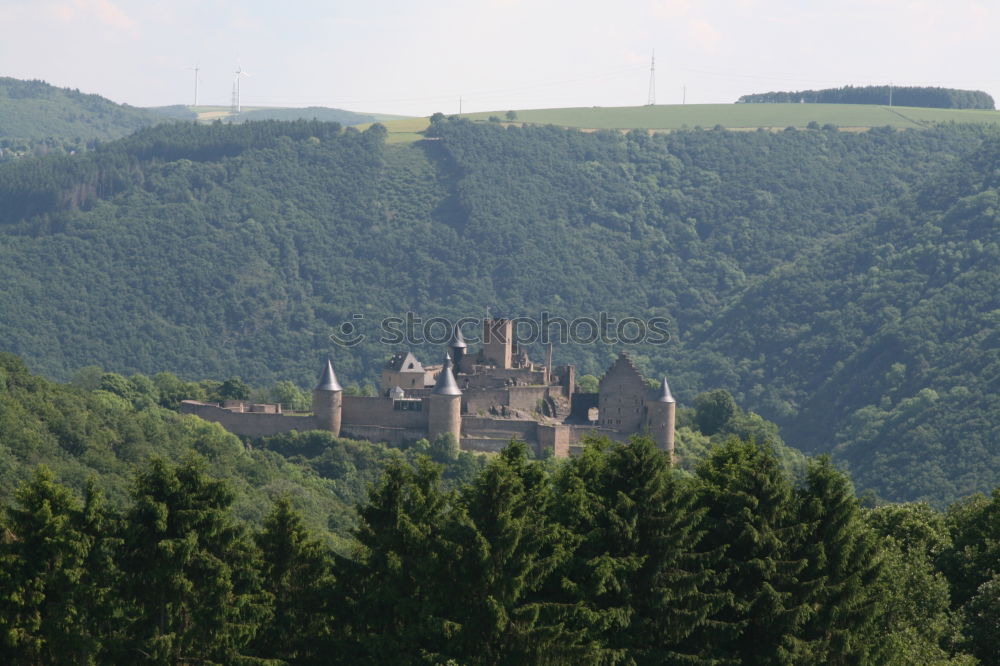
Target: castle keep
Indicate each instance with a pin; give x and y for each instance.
(484, 399)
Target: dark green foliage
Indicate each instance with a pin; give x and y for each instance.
(638, 569)
(190, 577)
(296, 574)
(842, 553)
(393, 592)
(444, 448)
(232, 389)
(929, 97)
(507, 550)
(616, 559)
(813, 274)
(916, 623)
(51, 600)
(97, 434)
(982, 614)
(755, 519)
(714, 411)
(973, 557)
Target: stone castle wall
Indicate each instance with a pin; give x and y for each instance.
(375, 433)
(363, 411)
(250, 424)
(622, 398)
(526, 398)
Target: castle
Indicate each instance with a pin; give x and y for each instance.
(484, 399)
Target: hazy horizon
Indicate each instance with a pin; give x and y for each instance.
(415, 59)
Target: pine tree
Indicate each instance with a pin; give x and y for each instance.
(389, 593)
(189, 571)
(49, 599)
(752, 514)
(295, 572)
(845, 557)
(508, 549)
(641, 566)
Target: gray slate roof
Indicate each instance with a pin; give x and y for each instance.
(663, 394)
(446, 384)
(328, 380)
(457, 341)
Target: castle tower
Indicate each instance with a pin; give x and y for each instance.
(498, 342)
(444, 405)
(661, 416)
(457, 347)
(328, 401)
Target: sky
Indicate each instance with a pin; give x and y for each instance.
(416, 58)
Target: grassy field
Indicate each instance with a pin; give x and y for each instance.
(210, 113)
(730, 116)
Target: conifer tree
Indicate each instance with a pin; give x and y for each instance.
(390, 593)
(508, 549)
(752, 514)
(640, 563)
(189, 571)
(49, 599)
(295, 572)
(844, 557)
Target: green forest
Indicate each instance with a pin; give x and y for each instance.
(146, 536)
(840, 284)
(921, 96)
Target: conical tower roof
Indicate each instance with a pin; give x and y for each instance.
(446, 384)
(457, 341)
(328, 380)
(663, 393)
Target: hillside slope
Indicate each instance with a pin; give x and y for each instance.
(221, 250)
(37, 110)
(883, 345)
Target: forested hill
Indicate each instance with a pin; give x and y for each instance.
(237, 250)
(35, 110)
(930, 97)
(885, 344)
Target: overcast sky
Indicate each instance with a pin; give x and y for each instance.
(397, 56)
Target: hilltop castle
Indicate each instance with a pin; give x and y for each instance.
(484, 399)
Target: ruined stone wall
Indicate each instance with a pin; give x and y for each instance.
(251, 424)
(497, 377)
(478, 402)
(578, 432)
(554, 438)
(359, 410)
(374, 433)
(527, 397)
(526, 430)
(622, 397)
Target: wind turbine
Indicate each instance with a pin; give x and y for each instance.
(240, 72)
(196, 70)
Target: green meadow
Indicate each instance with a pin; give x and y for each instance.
(730, 116)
